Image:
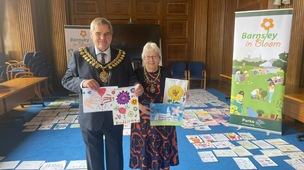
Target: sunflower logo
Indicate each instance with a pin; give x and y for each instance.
(83, 33)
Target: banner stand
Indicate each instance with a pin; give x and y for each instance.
(268, 132)
(260, 56)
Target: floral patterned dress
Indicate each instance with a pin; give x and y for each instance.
(152, 147)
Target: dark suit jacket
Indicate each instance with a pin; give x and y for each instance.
(79, 70)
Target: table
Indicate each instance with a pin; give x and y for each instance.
(294, 103)
(19, 90)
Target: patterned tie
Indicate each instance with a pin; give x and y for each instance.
(102, 58)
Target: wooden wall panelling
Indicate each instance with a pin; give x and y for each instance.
(296, 51)
(11, 37)
(2, 13)
(178, 31)
(200, 8)
(41, 23)
(216, 12)
(26, 24)
(82, 12)
(147, 12)
(244, 5)
(117, 11)
(57, 22)
(227, 56)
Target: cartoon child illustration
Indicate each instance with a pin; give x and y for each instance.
(256, 93)
(246, 76)
(239, 101)
(271, 91)
(237, 76)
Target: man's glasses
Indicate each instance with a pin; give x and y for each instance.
(154, 57)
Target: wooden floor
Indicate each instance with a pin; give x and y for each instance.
(225, 88)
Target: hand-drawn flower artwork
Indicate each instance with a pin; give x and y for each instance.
(123, 98)
(122, 110)
(132, 89)
(125, 106)
(134, 101)
(175, 93)
(131, 114)
(176, 111)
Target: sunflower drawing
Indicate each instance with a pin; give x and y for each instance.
(175, 93)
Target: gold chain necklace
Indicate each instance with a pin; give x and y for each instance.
(104, 75)
(152, 88)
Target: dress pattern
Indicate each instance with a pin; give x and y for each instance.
(152, 147)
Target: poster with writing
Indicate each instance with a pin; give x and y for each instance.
(125, 106)
(76, 36)
(97, 101)
(260, 56)
(174, 92)
(166, 114)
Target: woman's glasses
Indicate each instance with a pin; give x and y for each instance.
(154, 57)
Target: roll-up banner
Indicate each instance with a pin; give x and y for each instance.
(260, 55)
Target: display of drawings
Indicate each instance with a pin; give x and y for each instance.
(121, 101)
(174, 92)
(166, 114)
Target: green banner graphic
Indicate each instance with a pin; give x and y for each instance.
(260, 54)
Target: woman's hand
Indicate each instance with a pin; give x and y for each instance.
(145, 109)
(138, 90)
(187, 95)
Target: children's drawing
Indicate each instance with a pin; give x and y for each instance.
(175, 91)
(97, 101)
(125, 106)
(166, 114)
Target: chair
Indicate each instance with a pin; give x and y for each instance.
(14, 67)
(47, 72)
(179, 70)
(36, 56)
(24, 74)
(300, 137)
(27, 57)
(3, 66)
(196, 71)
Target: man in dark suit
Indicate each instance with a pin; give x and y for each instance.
(88, 68)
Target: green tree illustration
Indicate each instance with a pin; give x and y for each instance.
(282, 63)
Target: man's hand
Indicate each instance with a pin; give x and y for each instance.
(91, 84)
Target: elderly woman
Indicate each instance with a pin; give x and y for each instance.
(152, 147)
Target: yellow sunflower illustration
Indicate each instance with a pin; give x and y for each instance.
(175, 92)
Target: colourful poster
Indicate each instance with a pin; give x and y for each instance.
(166, 114)
(174, 92)
(76, 36)
(125, 106)
(260, 54)
(97, 101)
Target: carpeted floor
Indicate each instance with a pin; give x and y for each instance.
(57, 145)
